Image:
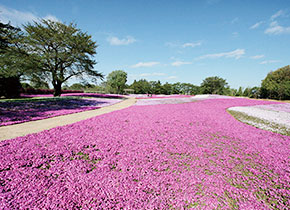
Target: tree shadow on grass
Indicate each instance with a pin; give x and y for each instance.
(23, 110)
(88, 95)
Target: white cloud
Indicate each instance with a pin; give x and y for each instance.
(187, 44)
(144, 75)
(116, 41)
(191, 44)
(171, 44)
(277, 14)
(270, 61)
(275, 29)
(52, 18)
(235, 34)
(234, 20)
(172, 77)
(256, 25)
(17, 18)
(158, 74)
(238, 53)
(152, 74)
(257, 57)
(179, 63)
(145, 64)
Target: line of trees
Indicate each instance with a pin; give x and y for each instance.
(116, 82)
(275, 86)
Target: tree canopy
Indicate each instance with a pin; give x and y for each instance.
(11, 53)
(58, 52)
(214, 85)
(116, 80)
(11, 60)
(141, 86)
(276, 85)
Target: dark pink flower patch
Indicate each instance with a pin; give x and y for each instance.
(13, 112)
(92, 95)
(177, 156)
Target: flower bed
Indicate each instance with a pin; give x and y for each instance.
(170, 156)
(211, 96)
(156, 101)
(177, 99)
(273, 117)
(145, 96)
(91, 95)
(19, 111)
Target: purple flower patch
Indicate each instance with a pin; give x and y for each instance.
(19, 111)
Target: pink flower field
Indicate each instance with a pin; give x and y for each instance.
(166, 156)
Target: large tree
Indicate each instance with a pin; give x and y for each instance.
(276, 85)
(38, 83)
(11, 53)
(214, 85)
(58, 52)
(116, 80)
(11, 60)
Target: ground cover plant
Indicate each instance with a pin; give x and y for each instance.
(90, 95)
(177, 99)
(273, 117)
(23, 110)
(168, 156)
(149, 96)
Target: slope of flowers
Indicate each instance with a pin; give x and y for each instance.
(155, 101)
(169, 156)
(211, 96)
(145, 96)
(282, 107)
(177, 99)
(19, 111)
(274, 117)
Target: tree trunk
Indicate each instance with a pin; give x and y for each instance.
(57, 89)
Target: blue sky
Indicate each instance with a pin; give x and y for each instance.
(175, 40)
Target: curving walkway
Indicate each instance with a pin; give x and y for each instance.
(16, 130)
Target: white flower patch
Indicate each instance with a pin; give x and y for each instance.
(208, 96)
(273, 117)
(178, 100)
(155, 101)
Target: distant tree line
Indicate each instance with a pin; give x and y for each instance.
(275, 86)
